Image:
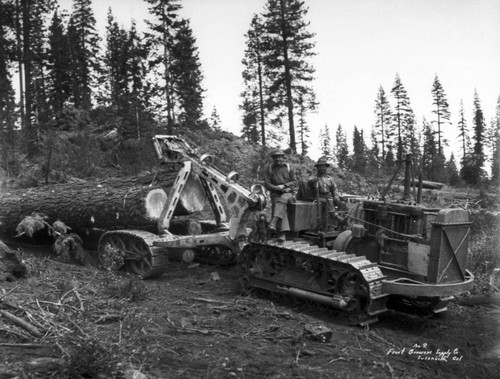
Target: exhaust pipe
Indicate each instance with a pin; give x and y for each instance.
(333, 301)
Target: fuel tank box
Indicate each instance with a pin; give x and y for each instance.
(303, 215)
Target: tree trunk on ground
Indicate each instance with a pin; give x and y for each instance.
(427, 184)
(134, 202)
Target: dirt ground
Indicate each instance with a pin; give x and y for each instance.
(192, 322)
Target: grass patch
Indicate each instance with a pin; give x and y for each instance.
(484, 249)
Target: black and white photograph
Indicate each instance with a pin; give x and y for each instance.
(249, 189)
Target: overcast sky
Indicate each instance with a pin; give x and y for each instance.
(360, 45)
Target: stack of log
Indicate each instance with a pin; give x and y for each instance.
(134, 202)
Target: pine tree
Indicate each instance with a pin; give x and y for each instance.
(384, 131)
(160, 42)
(452, 175)
(253, 96)
(116, 63)
(479, 128)
(28, 128)
(430, 151)
(39, 12)
(441, 111)
(59, 65)
(389, 162)
(215, 122)
(433, 162)
(374, 156)
(326, 142)
(249, 130)
(84, 52)
(341, 149)
(472, 171)
(495, 159)
(116, 77)
(303, 127)
(479, 139)
(7, 101)
(139, 88)
(187, 77)
(359, 162)
(404, 119)
(288, 46)
(463, 130)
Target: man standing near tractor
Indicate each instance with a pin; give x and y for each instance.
(279, 180)
(325, 189)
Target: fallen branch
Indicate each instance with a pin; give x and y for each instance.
(78, 327)
(172, 351)
(206, 331)
(109, 317)
(44, 364)
(20, 322)
(17, 333)
(337, 359)
(6, 294)
(203, 300)
(9, 304)
(24, 345)
(77, 295)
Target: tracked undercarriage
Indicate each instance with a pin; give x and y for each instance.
(350, 284)
(145, 254)
(132, 251)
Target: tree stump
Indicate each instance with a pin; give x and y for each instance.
(11, 266)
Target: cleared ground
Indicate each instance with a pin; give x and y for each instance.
(192, 322)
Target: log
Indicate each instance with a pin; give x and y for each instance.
(20, 322)
(426, 184)
(134, 202)
(431, 185)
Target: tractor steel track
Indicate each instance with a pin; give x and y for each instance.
(351, 284)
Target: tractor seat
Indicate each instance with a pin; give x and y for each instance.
(305, 193)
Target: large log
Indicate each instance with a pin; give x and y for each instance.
(427, 184)
(134, 202)
(432, 185)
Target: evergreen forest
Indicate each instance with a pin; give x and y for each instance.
(80, 102)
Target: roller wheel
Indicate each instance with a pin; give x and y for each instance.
(353, 286)
(112, 252)
(126, 253)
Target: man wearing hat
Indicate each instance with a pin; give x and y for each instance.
(279, 180)
(325, 186)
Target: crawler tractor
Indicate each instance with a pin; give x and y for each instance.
(399, 255)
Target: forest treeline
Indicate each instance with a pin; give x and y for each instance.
(88, 100)
(395, 133)
(278, 88)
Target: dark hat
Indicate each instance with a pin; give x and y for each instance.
(277, 152)
(322, 162)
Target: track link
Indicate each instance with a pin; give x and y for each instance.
(351, 284)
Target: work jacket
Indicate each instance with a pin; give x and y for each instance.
(326, 187)
(276, 175)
